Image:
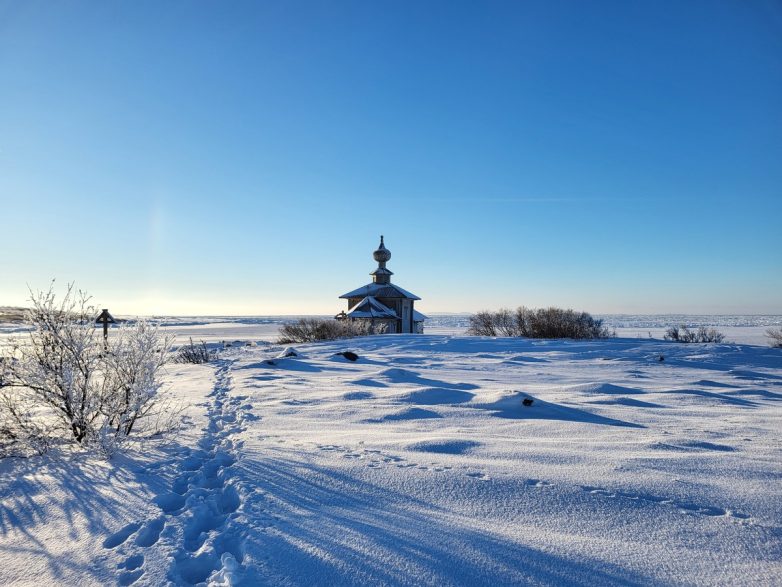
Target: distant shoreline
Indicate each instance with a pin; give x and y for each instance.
(737, 328)
(15, 315)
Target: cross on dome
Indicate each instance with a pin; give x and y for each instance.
(382, 255)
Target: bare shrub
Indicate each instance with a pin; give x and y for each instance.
(710, 335)
(684, 334)
(64, 385)
(194, 353)
(317, 329)
(505, 323)
(775, 337)
(482, 324)
(559, 323)
(538, 323)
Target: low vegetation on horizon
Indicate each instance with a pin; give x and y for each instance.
(319, 329)
(684, 334)
(538, 323)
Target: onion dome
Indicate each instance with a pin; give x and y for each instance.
(382, 254)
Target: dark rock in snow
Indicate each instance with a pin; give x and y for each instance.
(527, 401)
(349, 355)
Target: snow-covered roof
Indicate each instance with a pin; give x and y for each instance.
(380, 290)
(369, 307)
(418, 317)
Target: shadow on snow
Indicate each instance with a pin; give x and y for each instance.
(331, 528)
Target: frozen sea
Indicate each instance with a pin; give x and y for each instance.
(741, 329)
(738, 328)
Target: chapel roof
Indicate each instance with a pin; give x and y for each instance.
(380, 290)
(369, 307)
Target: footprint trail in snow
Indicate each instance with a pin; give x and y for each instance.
(201, 532)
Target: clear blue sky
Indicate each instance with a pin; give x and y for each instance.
(244, 157)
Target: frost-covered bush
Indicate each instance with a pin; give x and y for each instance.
(131, 376)
(317, 329)
(499, 323)
(538, 323)
(194, 353)
(65, 384)
(775, 337)
(684, 334)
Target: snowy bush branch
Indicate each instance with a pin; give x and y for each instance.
(131, 379)
(62, 383)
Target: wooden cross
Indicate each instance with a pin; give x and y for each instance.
(105, 318)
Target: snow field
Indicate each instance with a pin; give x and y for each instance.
(419, 464)
(424, 462)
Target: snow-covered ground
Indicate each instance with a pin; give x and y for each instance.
(420, 464)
